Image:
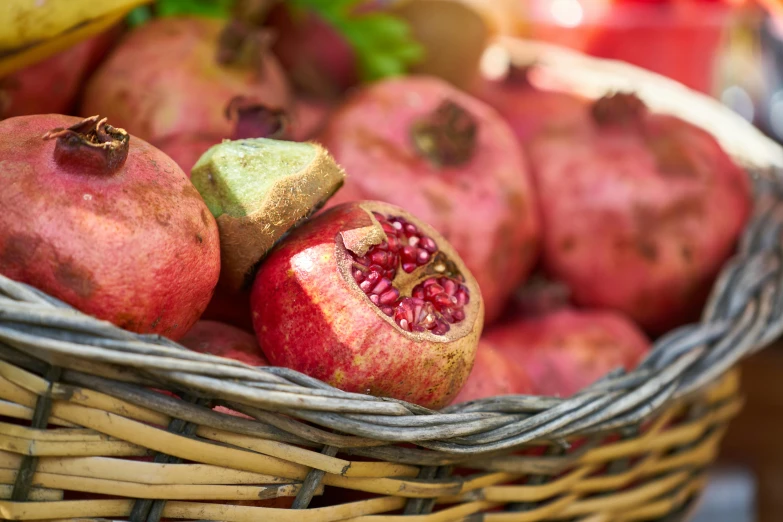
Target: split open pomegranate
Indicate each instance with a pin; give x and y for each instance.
(370, 299)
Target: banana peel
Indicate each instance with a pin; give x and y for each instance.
(32, 30)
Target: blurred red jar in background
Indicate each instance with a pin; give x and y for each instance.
(680, 39)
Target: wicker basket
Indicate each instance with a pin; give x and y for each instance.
(83, 410)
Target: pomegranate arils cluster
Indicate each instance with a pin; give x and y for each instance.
(435, 303)
(448, 296)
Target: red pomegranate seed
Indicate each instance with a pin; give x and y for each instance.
(409, 267)
(394, 243)
(428, 244)
(408, 254)
(389, 297)
(433, 290)
(441, 328)
(380, 257)
(383, 285)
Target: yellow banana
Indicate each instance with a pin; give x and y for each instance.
(31, 30)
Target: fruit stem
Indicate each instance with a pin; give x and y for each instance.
(518, 76)
(622, 109)
(90, 146)
(253, 119)
(243, 44)
(540, 296)
(446, 136)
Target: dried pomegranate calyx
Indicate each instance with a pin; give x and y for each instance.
(447, 136)
(253, 119)
(619, 109)
(434, 303)
(90, 146)
(243, 44)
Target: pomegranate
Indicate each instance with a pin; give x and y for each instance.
(419, 143)
(317, 58)
(307, 118)
(52, 85)
(528, 109)
(370, 299)
(566, 350)
(493, 374)
(230, 307)
(639, 211)
(224, 340)
(209, 85)
(105, 222)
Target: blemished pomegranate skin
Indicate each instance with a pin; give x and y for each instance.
(565, 350)
(105, 222)
(494, 375)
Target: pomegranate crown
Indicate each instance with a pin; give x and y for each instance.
(446, 136)
(90, 145)
(619, 109)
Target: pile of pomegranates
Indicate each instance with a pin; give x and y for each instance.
(242, 188)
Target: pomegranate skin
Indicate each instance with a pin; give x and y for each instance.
(485, 208)
(177, 100)
(230, 307)
(309, 316)
(493, 374)
(315, 56)
(564, 351)
(137, 247)
(640, 217)
(530, 111)
(52, 85)
(224, 340)
(308, 117)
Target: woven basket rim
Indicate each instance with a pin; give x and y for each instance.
(743, 315)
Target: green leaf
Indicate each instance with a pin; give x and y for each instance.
(383, 43)
(208, 8)
(139, 16)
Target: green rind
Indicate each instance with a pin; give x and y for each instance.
(234, 177)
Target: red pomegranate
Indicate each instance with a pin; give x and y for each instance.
(224, 340)
(530, 110)
(52, 85)
(307, 118)
(230, 307)
(639, 211)
(566, 350)
(370, 299)
(209, 85)
(493, 374)
(106, 222)
(317, 58)
(419, 143)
